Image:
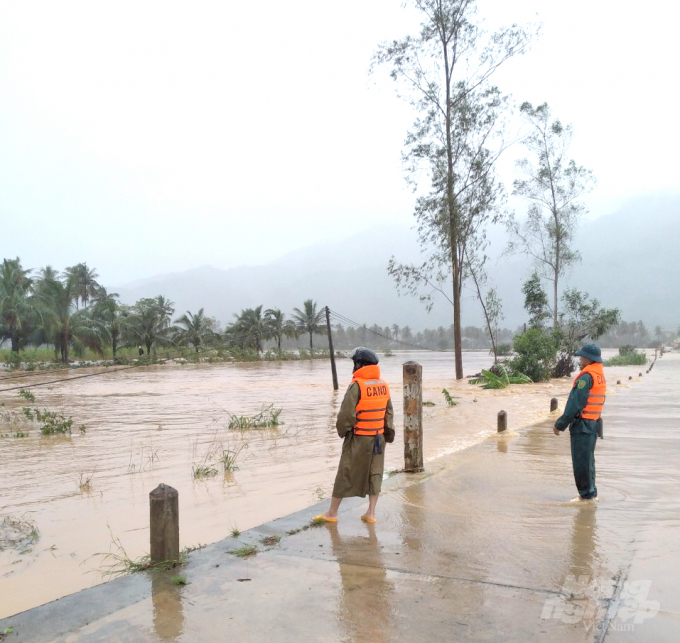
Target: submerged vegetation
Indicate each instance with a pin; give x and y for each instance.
(502, 379)
(267, 418)
(18, 533)
(450, 401)
(628, 356)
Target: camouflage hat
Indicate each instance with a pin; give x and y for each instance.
(591, 351)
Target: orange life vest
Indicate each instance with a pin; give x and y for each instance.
(373, 398)
(593, 408)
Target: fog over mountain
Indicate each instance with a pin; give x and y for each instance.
(627, 263)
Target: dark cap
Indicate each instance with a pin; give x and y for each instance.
(591, 351)
(361, 355)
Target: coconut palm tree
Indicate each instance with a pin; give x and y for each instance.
(249, 329)
(84, 282)
(149, 323)
(309, 320)
(112, 316)
(16, 308)
(62, 323)
(193, 329)
(279, 326)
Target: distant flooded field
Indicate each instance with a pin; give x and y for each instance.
(159, 424)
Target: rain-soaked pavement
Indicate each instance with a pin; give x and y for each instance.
(483, 547)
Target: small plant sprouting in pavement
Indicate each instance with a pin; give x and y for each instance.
(235, 532)
(117, 562)
(245, 552)
(178, 579)
(450, 401)
(267, 418)
(270, 541)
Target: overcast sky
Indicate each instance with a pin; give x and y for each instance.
(149, 137)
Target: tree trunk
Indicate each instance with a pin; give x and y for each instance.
(457, 335)
(15, 341)
(278, 341)
(311, 346)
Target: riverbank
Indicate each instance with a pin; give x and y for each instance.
(161, 423)
(486, 547)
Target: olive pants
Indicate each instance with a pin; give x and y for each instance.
(583, 461)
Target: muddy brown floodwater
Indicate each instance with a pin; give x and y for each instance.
(155, 424)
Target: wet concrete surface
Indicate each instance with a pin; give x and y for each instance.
(485, 548)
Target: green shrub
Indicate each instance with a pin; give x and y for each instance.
(536, 352)
(633, 358)
(503, 350)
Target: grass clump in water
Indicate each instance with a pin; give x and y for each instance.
(27, 395)
(450, 401)
(267, 418)
(85, 482)
(20, 534)
(229, 458)
(430, 403)
(203, 471)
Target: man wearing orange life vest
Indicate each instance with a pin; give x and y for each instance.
(582, 416)
(366, 422)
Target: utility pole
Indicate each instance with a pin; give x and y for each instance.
(330, 348)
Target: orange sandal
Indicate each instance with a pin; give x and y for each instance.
(365, 518)
(322, 518)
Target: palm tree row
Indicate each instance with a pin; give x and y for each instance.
(252, 327)
(72, 312)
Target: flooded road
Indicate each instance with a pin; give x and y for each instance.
(155, 424)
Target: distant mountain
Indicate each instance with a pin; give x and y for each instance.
(627, 262)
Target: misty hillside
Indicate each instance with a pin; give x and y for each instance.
(627, 262)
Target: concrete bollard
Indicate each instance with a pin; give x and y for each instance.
(164, 520)
(413, 417)
(618, 381)
(639, 374)
(502, 421)
(630, 377)
(553, 404)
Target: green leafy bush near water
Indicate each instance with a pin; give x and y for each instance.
(535, 354)
(627, 356)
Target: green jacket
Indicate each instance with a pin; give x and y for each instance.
(347, 416)
(578, 398)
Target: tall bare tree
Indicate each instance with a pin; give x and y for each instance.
(457, 136)
(552, 184)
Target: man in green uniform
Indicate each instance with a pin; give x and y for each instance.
(363, 456)
(581, 415)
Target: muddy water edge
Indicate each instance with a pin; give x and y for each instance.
(157, 424)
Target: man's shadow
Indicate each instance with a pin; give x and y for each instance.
(366, 602)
